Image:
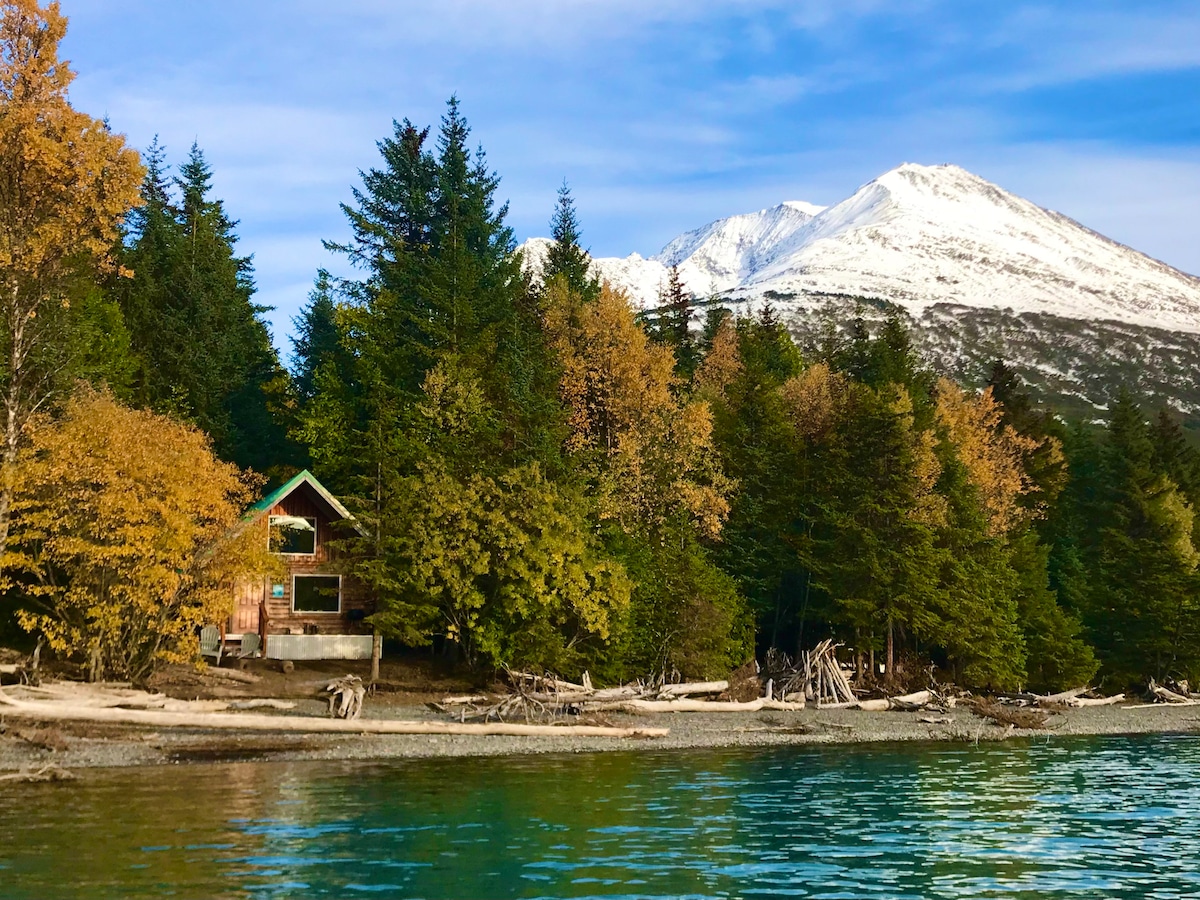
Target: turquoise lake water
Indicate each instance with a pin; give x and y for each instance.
(1094, 817)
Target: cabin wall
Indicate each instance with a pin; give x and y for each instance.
(281, 618)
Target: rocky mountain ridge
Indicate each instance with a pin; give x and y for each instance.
(980, 272)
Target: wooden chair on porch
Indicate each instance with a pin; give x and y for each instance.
(251, 643)
(211, 643)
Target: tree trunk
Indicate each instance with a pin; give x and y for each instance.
(891, 652)
(376, 653)
(12, 414)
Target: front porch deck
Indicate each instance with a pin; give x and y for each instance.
(318, 646)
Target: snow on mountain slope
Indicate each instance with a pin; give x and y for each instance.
(726, 253)
(918, 236)
(641, 278)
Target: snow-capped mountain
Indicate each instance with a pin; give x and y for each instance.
(918, 236)
(981, 273)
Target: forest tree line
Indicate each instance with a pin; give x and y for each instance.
(547, 477)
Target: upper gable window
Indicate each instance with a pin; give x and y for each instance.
(293, 535)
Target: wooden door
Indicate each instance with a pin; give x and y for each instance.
(248, 603)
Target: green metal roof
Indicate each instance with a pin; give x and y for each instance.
(305, 477)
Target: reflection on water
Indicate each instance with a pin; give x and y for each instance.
(1111, 817)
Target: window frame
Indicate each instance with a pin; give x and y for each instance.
(316, 612)
(271, 526)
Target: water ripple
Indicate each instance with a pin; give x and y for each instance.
(1107, 817)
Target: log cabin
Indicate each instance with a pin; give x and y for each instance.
(309, 610)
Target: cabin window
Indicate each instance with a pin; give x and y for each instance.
(293, 535)
(317, 593)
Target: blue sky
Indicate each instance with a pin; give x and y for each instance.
(661, 114)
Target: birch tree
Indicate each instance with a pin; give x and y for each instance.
(66, 182)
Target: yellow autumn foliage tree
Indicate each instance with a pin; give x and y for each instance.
(66, 182)
(815, 399)
(723, 362)
(651, 452)
(994, 455)
(127, 535)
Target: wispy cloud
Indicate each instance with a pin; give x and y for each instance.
(662, 115)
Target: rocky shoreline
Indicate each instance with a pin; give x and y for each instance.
(27, 746)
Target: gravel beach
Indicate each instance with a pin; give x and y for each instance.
(23, 745)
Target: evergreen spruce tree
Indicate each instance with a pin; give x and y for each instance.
(318, 338)
(974, 610)
(714, 318)
(566, 258)
(872, 547)
(674, 324)
(203, 351)
(434, 368)
(758, 451)
(1124, 553)
(1175, 456)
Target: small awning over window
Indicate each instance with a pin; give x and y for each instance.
(297, 523)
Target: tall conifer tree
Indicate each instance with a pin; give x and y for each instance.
(203, 350)
(566, 258)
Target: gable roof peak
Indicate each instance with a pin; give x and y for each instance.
(303, 477)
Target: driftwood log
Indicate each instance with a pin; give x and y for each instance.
(908, 702)
(345, 697)
(1169, 696)
(122, 696)
(1073, 698)
(464, 700)
(696, 687)
(49, 772)
(233, 675)
(705, 706)
(1098, 701)
(261, 703)
(1165, 697)
(61, 712)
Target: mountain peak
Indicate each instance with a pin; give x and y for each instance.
(917, 236)
(810, 209)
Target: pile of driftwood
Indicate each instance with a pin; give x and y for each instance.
(1181, 696)
(19, 669)
(1076, 698)
(536, 698)
(787, 686)
(1009, 716)
(819, 677)
(816, 678)
(345, 697)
